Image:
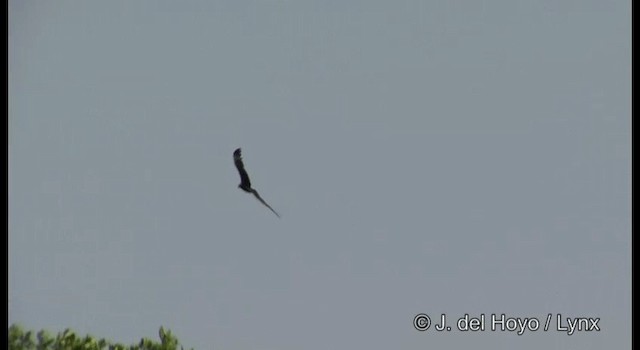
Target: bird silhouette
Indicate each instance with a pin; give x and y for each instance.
(245, 183)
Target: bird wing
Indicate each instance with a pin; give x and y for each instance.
(244, 177)
(255, 193)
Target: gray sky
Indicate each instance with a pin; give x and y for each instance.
(426, 157)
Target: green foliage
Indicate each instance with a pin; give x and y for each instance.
(68, 340)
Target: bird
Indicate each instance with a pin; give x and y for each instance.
(245, 183)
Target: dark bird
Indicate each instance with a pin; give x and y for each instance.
(245, 183)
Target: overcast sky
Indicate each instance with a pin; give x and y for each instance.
(426, 157)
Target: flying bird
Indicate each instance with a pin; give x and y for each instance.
(245, 183)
